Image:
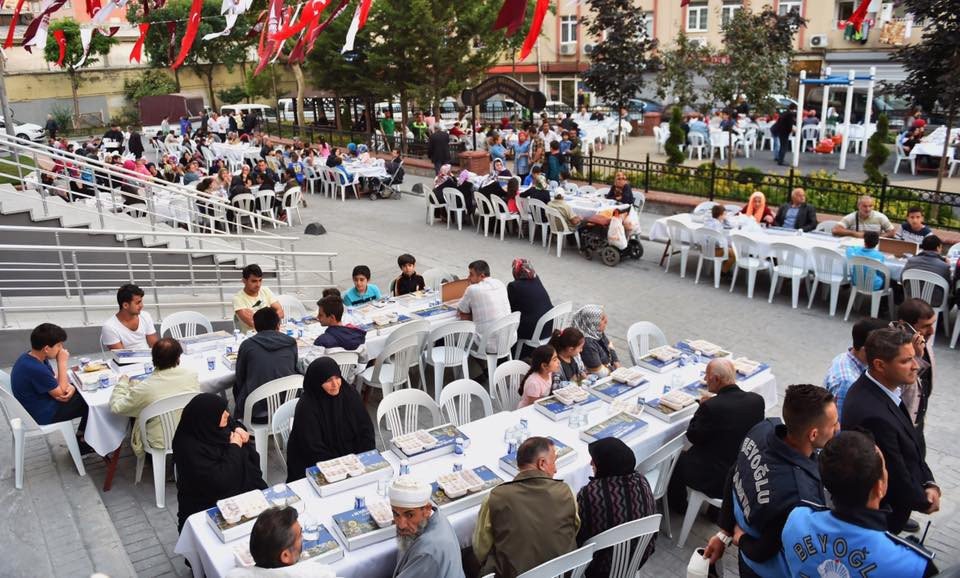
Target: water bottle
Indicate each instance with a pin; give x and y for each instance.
(524, 429)
(236, 337)
(458, 446)
(510, 434)
(574, 420)
(676, 382)
(404, 468)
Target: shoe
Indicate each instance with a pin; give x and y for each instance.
(911, 526)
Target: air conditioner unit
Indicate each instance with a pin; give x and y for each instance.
(818, 41)
(568, 49)
(697, 41)
(588, 48)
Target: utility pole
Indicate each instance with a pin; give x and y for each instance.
(4, 102)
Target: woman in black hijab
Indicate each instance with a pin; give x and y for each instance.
(616, 494)
(528, 296)
(330, 421)
(214, 456)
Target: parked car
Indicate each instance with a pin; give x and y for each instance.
(26, 130)
(557, 109)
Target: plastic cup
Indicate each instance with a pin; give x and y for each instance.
(211, 363)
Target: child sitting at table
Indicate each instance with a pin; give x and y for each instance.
(296, 168)
(362, 290)
(408, 281)
(539, 381)
(914, 229)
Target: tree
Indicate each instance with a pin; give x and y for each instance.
(933, 64)
(99, 46)
(679, 67)
(620, 57)
(877, 152)
(672, 146)
(152, 82)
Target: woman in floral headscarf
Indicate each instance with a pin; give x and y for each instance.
(528, 296)
(598, 354)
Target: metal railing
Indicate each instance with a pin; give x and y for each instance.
(76, 273)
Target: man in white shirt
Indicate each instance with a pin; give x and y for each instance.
(131, 327)
(253, 297)
(485, 300)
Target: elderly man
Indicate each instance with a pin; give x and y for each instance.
(275, 544)
(715, 434)
(864, 219)
(797, 214)
(485, 301)
(426, 542)
(528, 521)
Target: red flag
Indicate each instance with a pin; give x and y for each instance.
(538, 14)
(267, 45)
(13, 24)
(62, 45)
(193, 24)
(311, 12)
(684, 3)
(305, 45)
(511, 16)
(364, 11)
(856, 19)
(138, 46)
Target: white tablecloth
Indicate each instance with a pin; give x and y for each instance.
(372, 170)
(207, 554)
(586, 207)
(932, 149)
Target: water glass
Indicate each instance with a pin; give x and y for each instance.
(148, 367)
(676, 382)
(509, 434)
(211, 363)
(383, 488)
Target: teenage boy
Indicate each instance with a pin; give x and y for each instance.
(408, 281)
(914, 229)
(330, 314)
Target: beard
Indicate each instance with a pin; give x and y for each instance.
(405, 541)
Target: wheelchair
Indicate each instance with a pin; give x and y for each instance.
(593, 244)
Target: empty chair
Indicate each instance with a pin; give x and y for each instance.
(280, 429)
(523, 205)
(214, 214)
(826, 226)
(275, 393)
(485, 213)
(696, 142)
(643, 336)
(391, 370)
(628, 543)
(504, 216)
(787, 262)
(167, 412)
(559, 316)
(571, 565)
(505, 384)
(421, 329)
(456, 339)
(703, 208)
(829, 268)
(401, 410)
(681, 239)
(265, 200)
(713, 248)
(432, 202)
(862, 273)
(924, 285)
(658, 468)
(750, 257)
(497, 341)
(639, 201)
(290, 204)
(185, 324)
(719, 141)
(560, 229)
(246, 205)
(455, 205)
(456, 401)
(538, 220)
(292, 307)
(434, 278)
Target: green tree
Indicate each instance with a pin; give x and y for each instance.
(153, 81)
(99, 45)
(672, 146)
(620, 58)
(232, 95)
(877, 152)
(679, 68)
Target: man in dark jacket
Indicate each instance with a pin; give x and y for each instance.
(782, 129)
(51, 127)
(266, 356)
(715, 432)
(438, 148)
(335, 335)
(797, 214)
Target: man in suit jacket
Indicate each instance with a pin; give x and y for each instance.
(716, 432)
(438, 148)
(874, 404)
(797, 214)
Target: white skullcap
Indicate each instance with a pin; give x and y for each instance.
(408, 492)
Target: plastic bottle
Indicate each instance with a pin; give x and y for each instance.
(236, 337)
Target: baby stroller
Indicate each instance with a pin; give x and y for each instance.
(388, 189)
(593, 243)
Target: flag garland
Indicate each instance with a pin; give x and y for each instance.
(138, 46)
(61, 45)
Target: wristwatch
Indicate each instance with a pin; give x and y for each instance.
(727, 540)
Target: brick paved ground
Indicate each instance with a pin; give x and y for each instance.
(129, 536)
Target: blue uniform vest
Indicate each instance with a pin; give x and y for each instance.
(818, 544)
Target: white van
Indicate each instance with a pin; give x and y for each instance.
(261, 110)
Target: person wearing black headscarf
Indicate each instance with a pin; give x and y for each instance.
(528, 296)
(330, 420)
(214, 456)
(616, 494)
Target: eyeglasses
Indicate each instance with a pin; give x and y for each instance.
(903, 326)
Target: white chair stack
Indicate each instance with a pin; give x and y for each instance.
(658, 468)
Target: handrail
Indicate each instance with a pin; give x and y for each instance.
(124, 250)
(132, 233)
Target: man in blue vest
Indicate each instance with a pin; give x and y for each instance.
(774, 471)
(851, 539)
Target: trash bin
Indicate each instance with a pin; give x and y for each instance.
(476, 162)
(650, 120)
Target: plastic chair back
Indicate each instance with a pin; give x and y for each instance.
(292, 307)
(400, 355)
(572, 565)
(456, 398)
(281, 426)
(629, 542)
(401, 409)
(457, 338)
(506, 383)
(185, 324)
(434, 278)
(501, 336)
(275, 392)
(643, 336)
(167, 412)
(661, 463)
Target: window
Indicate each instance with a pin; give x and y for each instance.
(786, 6)
(648, 23)
(568, 30)
(697, 18)
(727, 12)
(844, 10)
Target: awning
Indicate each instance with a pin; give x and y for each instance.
(841, 62)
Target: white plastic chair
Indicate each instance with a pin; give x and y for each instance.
(497, 341)
(956, 335)
(391, 370)
(24, 426)
(347, 361)
(643, 336)
(419, 328)
(559, 315)
(560, 229)
(275, 392)
(341, 184)
(402, 412)
(504, 216)
(862, 272)
(247, 205)
(457, 338)
(292, 307)
(435, 278)
(858, 137)
(185, 324)
(695, 502)
(290, 204)
(710, 242)
(456, 401)
(639, 201)
(719, 141)
(455, 204)
(216, 214)
(826, 226)
(766, 137)
(505, 383)
(570, 565)
(432, 203)
(265, 204)
(829, 268)
(658, 468)
(750, 257)
(703, 208)
(681, 239)
(485, 213)
(523, 205)
(922, 285)
(538, 220)
(696, 142)
(808, 137)
(902, 155)
(280, 429)
(167, 412)
(787, 262)
(627, 554)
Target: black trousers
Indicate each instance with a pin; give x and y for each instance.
(75, 407)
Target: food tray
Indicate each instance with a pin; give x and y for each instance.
(664, 353)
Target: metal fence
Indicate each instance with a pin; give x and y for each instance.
(827, 193)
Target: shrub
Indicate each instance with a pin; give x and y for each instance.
(877, 152)
(672, 146)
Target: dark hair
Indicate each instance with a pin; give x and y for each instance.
(166, 353)
(531, 449)
(513, 185)
(480, 266)
(204, 184)
(931, 243)
(252, 270)
(266, 319)
(871, 239)
(361, 270)
(46, 335)
(406, 259)
(803, 407)
(913, 310)
(565, 339)
(127, 292)
(717, 210)
(536, 168)
(849, 467)
(884, 344)
(914, 209)
(862, 329)
(272, 534)
(331, 305)
(329, 292)
(540, 355)
(554, 145)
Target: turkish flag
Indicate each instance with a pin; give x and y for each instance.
(511, 16)
(531, 39)
(193, 24)
(135, 54)
(62, 45)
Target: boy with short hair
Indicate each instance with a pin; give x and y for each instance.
(362, 290)
(914, 229)
(329, 314)
(408, 281)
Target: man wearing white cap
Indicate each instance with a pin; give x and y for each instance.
(427, 544)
